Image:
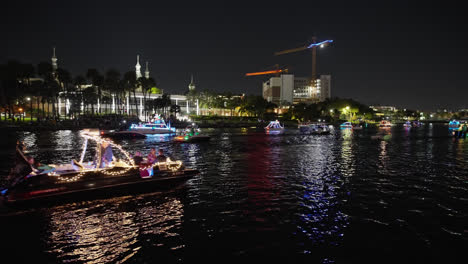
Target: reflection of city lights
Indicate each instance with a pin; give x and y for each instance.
(106, 234)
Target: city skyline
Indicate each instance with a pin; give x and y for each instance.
(397, 54)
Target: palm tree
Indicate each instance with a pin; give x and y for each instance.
(97, 80)
(79, 81)
(146, 85)
(131, 85)
(64, 78)
(112, 83)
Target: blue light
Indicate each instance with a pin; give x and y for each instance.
(320, 43)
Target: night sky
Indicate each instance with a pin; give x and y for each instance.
(408, 55)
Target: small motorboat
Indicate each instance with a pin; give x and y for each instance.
(274, 127)
(417, 123)
(304, 128)
(385, 124)
(192, 133)
(78, 179)
(319, 129)
(346, 125)
(454, 125)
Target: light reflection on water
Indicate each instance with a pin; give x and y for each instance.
(108, 232)
(296, 195)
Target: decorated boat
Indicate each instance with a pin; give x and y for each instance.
(78, 178)
(191, 133)
(157, 125)
(407, 124)
(346, 125)
(454, 125)
(417, 123)
(385, 124)
(274, 127)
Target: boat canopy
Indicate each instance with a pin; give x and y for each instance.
(274, 124)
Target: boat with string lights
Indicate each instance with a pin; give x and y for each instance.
(274, 127)
(346, 125)
(385, 124)
(79, 178)
(191, 133)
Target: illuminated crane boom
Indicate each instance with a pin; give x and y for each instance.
(312, 46)
(265, 72)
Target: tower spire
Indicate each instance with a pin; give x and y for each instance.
(191, 85)
(147, 71)
(54, 60)
(138, 68)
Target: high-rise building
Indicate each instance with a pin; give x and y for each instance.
(279, 90)
(288, 89)
(305, 92)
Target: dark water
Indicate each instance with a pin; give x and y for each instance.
(342, 198)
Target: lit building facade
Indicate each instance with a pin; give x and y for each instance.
(288, 89)
(279, 90)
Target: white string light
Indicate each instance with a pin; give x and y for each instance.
(169, 164)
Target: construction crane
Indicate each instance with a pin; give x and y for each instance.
(277, 72)
(312, 46)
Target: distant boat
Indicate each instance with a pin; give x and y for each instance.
(192, 133)
(417, 123)
(346, 125)
(274, 127)
(407, 124)
(158, 126)
(385, 124)
(454, 125)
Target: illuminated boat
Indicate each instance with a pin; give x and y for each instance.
(192, 133)
(407, 124)
(304, 127)
(319, 129)
(346, 125)
(274, 127)
(385, 124)
(454, 125)
(417, 123)
(156, 126)
(78, 180)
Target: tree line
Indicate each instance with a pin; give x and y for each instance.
(22, 84)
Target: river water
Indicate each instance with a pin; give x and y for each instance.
(347, 197)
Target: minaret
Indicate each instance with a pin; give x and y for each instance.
(54, 61)
(138, 68)
(191, 85)
(147, 71)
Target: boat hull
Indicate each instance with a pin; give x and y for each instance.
(153, 131)
(44, 188)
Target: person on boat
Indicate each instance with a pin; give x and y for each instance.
(107, 155)
(161, 157)
(137, 158)
(152, 156)
(37, 166)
